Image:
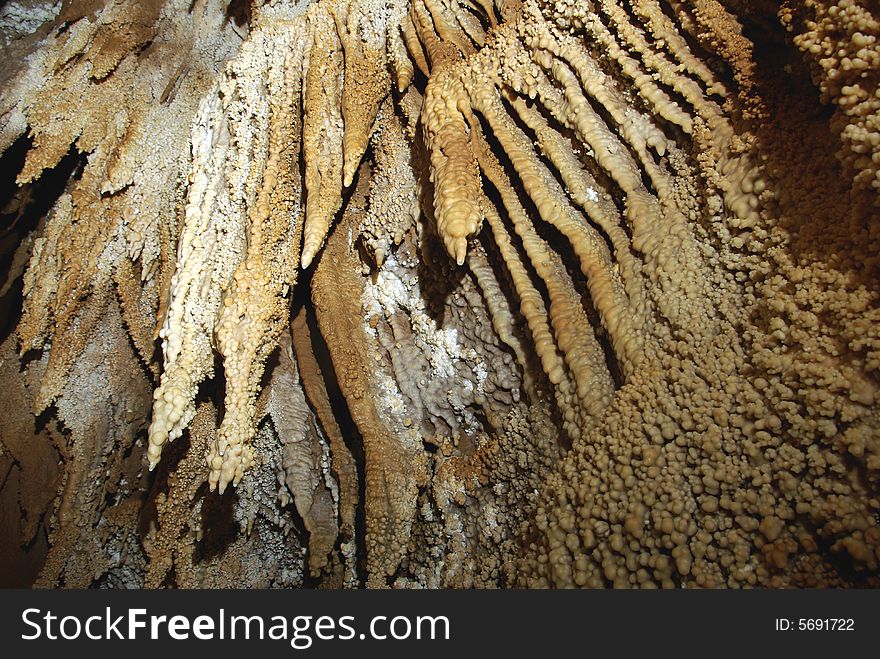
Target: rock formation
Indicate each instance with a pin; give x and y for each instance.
(440, 293)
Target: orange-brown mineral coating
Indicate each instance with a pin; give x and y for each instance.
(655, 364)
(394, 470)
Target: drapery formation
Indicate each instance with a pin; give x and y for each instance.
(440, 293)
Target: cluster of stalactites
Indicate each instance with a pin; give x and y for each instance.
(237, 262)
(312, 86)
(239, 240)
(537, 85)
(229, 282)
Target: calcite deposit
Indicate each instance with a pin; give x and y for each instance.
(440, 293)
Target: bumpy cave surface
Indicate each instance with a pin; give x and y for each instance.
(439, 293)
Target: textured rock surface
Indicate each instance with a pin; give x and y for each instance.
(440, 293)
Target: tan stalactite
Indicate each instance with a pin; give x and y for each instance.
(322, 130)
(399, 58)
(535, 312)
(414, 44)
(605, 285)
(584, 190)
(256, 305)
(366, 83)
(316, 391)
(453, 167)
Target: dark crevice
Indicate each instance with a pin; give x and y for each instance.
(219, 526)
(239, 13)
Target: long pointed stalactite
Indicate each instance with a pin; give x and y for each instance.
(440, 293)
